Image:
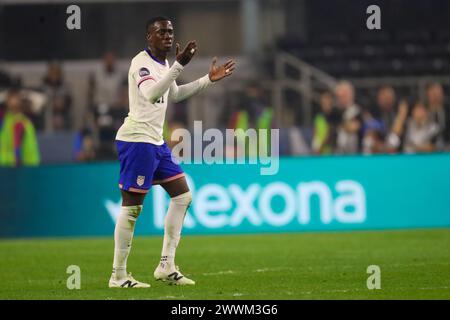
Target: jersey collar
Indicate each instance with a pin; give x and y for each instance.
(153, 57)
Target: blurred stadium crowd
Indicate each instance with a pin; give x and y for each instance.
(340, 124)
(24, 113)
(346, 118)
(387, 125)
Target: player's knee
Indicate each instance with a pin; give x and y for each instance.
(184, 199)
(133, 211)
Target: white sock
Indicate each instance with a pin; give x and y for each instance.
(172, 227)
(123, 236)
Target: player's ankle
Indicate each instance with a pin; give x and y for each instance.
(119, 273)
(167, 262)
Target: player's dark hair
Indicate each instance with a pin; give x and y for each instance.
(153, 20)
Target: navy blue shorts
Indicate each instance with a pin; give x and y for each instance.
(143, 164)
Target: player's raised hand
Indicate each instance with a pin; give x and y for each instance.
(219, 72)
(188, 52)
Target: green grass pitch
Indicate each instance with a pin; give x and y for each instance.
(414, 264)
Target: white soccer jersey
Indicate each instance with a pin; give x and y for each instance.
(150, 84)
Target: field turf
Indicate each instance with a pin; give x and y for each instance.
(414, 264)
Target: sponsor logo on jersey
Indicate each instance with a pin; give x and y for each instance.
(144, 72)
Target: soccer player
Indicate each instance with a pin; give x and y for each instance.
(144, 157)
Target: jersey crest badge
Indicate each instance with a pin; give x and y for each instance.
(140, 180)
(144, 72)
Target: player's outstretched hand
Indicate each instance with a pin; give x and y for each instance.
(188, 52)
(219, 72)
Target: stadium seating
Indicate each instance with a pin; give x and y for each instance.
(375, 53)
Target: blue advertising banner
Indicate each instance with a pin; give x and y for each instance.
(307, 194)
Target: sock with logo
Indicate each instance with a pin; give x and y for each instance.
(123, 236)
(172, 226)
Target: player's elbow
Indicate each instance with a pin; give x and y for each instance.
(176, 99)
(174, 96)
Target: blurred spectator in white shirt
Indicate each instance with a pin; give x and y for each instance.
(349, 130)
(106, 82)
(421, 132)
(395, 135)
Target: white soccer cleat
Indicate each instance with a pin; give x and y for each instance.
(172, 275)
(127, 282)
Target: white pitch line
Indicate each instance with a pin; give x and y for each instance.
(218, 273)
(223, 272)
(289, 293)
(273, 269)
(260, 270)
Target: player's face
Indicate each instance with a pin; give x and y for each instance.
(160, 35)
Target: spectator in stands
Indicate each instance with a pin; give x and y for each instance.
(255, 103)
(106, 82)
(385, 110)
(57, 110)
(394, 138)
(254, 112)
(378, 121)
(84, 146)
(108, 119)
(439, 112)
(18, 142)
(325, 125)
(421, 132)
(349, 130)
(374, 136)
(253, 107)
(33, 106)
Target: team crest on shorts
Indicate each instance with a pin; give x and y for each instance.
(140, 180)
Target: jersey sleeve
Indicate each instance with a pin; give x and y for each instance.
(179, 93)
(150, 86)
(143, 74)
